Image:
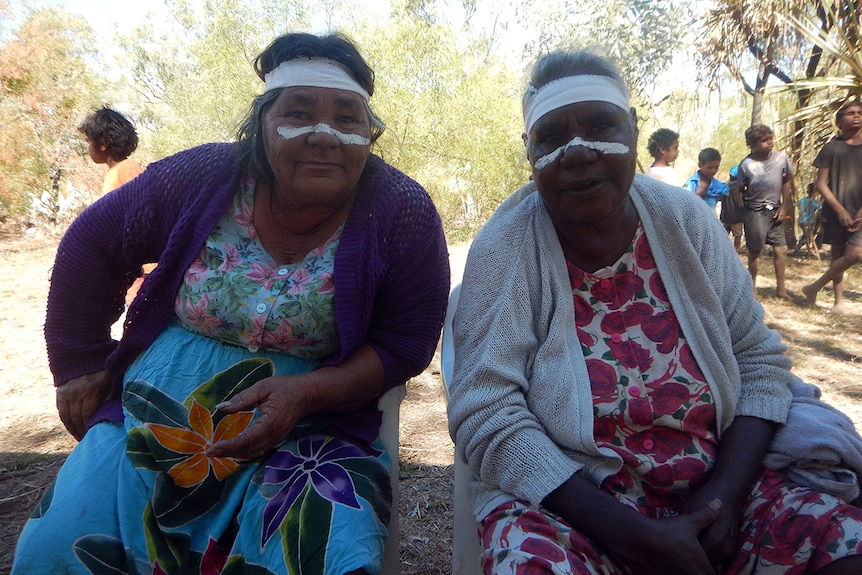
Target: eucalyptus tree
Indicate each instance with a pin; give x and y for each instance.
(452, 112)
(46, 87)
(192, 74)
(810, 49)
(643, 37)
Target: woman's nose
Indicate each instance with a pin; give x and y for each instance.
(576, 152)
(323, 135)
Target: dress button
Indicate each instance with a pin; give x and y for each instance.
(282, 272)
(616, 338)
(253, 348)
(261, 307)
(635, 391)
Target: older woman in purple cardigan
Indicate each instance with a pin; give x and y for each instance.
(234, 426)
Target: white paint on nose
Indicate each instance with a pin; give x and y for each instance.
(603, 147)
(321, 128)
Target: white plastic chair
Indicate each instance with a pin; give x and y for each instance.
(466, 548)
(389, 404)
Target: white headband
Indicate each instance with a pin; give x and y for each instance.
(315, 72)
(572, 90)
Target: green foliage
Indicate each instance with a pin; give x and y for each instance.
(453, 119)
(448, 85)
(46, 86)
(641, 36)
(836, 62)
(193, 75)
(811, 48)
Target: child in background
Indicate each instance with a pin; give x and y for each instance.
(112, 139)
(731, 208)
(703, 181)
(765, 178)
(663, 146)
(839, 181)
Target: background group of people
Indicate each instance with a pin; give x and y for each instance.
(759, 196)
(616, 393)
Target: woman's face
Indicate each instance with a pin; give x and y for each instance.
(317, 141)
(583, 157)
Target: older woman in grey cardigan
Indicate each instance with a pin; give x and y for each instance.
(615, 389)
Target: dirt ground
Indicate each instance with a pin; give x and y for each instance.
(33, 444)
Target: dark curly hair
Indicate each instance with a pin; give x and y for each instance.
(754, 133)
(109, 128)
(854, 103)
(663, 138)
(288, 47)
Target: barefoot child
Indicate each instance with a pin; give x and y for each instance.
(839, 181)
(765, 176)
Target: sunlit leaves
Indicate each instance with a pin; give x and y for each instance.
(47, 85)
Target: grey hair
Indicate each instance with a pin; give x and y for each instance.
(562, 63)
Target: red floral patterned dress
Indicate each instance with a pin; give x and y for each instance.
(653, 406)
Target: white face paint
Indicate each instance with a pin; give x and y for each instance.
(355, 139)
(603, 147)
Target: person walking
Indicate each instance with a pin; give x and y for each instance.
(839, 181)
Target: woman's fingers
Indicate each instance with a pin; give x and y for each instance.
(70, 415)
(78, 400)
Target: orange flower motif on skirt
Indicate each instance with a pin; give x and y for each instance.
(196, 441)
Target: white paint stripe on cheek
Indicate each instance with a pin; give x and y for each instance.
(603, 147)
(355, 139)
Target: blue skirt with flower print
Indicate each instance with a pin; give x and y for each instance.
(145, 498)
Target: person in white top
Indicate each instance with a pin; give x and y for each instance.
(663, 146)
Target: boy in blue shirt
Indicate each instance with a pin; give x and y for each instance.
(703, 182)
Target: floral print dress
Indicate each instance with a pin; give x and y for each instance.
(317, 505)
(653, 407)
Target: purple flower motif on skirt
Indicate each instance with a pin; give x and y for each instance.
(316, 462)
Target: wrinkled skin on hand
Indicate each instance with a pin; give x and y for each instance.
(78, 400)
(282, 402)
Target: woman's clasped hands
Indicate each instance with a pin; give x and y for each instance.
(671, 545)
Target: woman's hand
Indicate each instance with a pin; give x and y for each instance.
(281, 401)
(738, 463)
(719, 538)
(78, 400)
(670, 546)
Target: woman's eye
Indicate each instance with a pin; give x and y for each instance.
(601, 128)
(550, 138)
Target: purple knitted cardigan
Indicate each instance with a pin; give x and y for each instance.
(391, 270)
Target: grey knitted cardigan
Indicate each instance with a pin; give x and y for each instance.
(520, 405)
